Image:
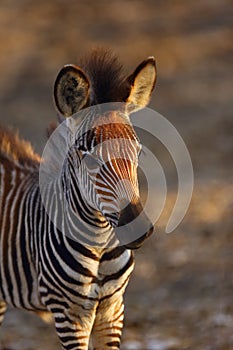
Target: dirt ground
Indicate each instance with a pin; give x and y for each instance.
(180, 296)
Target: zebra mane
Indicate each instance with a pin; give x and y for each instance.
(108, 84)
(16, 150)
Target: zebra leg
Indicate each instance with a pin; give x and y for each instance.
(74, 331)
(108, 324)
(3, 308)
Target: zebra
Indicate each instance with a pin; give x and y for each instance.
(80, 283)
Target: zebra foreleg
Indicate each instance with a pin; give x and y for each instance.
(3, 308)
(108, 325)
(74, 331)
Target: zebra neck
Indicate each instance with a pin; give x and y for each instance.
(75, 219)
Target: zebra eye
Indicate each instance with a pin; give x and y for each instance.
(90, 161)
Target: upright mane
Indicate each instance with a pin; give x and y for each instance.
(16, 150)
(105, 72)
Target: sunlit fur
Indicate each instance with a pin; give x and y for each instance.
(17, 151)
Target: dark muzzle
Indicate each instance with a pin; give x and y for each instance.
(133, 226)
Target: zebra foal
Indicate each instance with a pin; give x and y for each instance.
(66, 258)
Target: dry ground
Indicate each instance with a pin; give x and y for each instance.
(180, 296)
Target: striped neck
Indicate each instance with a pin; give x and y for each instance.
(82, 222)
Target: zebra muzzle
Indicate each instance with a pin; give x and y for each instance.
(134, 227)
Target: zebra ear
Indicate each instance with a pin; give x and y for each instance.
(142, 83)
(71, 90)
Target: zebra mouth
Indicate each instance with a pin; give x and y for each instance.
(139, 242)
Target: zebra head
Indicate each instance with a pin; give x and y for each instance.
(105, 147)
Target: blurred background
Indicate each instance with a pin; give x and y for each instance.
(180, 296)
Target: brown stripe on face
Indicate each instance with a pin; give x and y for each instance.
(115, 138)
(113, 125)
(122, 178)
(126, 171)
(116, 148)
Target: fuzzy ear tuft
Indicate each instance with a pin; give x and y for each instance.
(71, 90)
(142, 83)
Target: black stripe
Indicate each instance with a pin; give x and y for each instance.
(114, 343)
(24, 257)
(68, 259)
(81, 249)
(118, 274)
(6, 262)
(59, 284)
(115, 291)
(113, 254)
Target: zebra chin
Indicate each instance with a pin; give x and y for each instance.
(132, 229)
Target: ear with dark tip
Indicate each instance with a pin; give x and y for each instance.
(142, 83)
(71, 90)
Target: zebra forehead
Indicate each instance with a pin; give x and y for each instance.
(114, 125)
(98, 128)
(115, 131)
